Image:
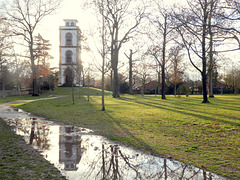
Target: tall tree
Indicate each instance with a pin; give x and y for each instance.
(193, 29)
(215, 29)
(104, 50)
(163, 27)
(205, 27)
(155, 51)
(130, 58)
(24, 17)
(121, 21)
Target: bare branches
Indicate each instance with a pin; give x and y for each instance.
(24, 16)
(121, 20)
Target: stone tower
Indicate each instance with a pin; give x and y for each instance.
(69, 49)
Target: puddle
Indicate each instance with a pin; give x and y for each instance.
(79, 154)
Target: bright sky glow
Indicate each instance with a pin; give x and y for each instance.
(70, 9)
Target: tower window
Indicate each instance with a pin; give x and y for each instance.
(68, 57)
(68, 39)
(72, 23)
(67, 23)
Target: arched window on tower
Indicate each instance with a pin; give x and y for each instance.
(69, 57)
(72, 23)
(68, 39)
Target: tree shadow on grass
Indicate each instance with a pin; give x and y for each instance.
(192, 113)
(127, 137)
(221, 103)
(208, 112)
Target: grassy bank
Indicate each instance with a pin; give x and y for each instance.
(20, 161)
(205, 135)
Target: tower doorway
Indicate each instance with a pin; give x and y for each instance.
(69, 78)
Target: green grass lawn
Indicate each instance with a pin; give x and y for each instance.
(205, 135)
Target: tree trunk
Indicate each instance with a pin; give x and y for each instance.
(3, 89)
(143, 87)
(79, 88)
(204, 60)
(165, 169)
(155, 91)
(3, 83)
(103, 162)
(163, 84)
(103, 69)
(211, 54)
(211, 83)
(115, 72)
(159, 82)
(103, 104)
(164, 57)
(130, 73)
(175, 89)
(88, 93)
(34, 78)
(83, 78)
(204, 84)
(111, 80)
(115, 83)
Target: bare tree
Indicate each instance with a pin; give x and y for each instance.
(130, 58)
(143, 72)
(24, 16)
(193, 30)
(5, 51)
(162, 23)
(205, 28)
(176, 60)
(103, 51)
(121, 21)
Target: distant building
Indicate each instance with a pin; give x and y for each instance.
(70, 49)
(150, 87)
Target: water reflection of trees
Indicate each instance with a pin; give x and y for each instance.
(39, 135)
(35, 132)
(113, 164)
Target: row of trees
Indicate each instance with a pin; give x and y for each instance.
(19, 22)
(202, 29)
(21, 19)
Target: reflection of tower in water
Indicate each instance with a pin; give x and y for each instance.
(69, 147)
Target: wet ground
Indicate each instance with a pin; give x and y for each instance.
(79, 154)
